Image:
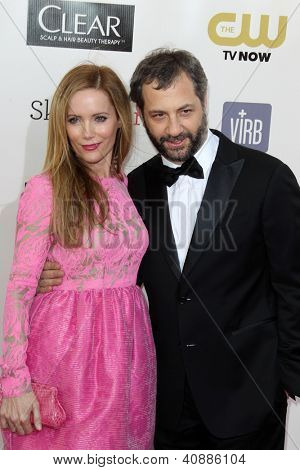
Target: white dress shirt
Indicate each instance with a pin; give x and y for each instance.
(185, 196)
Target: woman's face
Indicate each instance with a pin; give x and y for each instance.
(92, 125)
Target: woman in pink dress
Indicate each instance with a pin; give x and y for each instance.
(91, 336)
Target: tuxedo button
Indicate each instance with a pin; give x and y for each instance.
(182, 300)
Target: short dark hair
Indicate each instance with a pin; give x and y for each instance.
(165, 66)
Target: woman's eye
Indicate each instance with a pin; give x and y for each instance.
(101, 118)
(73, 120)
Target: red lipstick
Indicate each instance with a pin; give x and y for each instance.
(90, 147)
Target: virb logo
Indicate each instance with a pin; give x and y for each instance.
(247, 124)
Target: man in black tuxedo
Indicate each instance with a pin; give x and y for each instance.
(224, 283)
(222, 271)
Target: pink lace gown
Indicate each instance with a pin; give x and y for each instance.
(90, 337)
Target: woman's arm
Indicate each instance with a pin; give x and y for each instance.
(32, 245)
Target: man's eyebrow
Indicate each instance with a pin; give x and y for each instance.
(156, 111)
(187, 105)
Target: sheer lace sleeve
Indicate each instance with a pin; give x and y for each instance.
(32, 244)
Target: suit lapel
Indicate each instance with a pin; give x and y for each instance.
(158, 215)
(223, 176)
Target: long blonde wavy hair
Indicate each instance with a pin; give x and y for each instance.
(79, 201)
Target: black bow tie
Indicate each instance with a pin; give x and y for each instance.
(190, 168)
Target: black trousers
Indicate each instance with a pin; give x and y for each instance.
(192, 434)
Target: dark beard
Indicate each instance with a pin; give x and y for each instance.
(196, 142)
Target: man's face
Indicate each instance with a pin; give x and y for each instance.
(175, 119)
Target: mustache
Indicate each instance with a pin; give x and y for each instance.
(171, 138)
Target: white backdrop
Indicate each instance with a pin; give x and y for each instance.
(29, 75)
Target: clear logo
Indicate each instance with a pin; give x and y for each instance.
(80, 25)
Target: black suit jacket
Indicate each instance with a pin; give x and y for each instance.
(230, 322)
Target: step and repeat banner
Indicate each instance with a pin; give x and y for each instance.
(249, 50)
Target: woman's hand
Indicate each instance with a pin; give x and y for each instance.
(15, 414)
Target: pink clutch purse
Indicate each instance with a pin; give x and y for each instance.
(52, 413)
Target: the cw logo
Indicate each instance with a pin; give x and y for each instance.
(244, 36)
